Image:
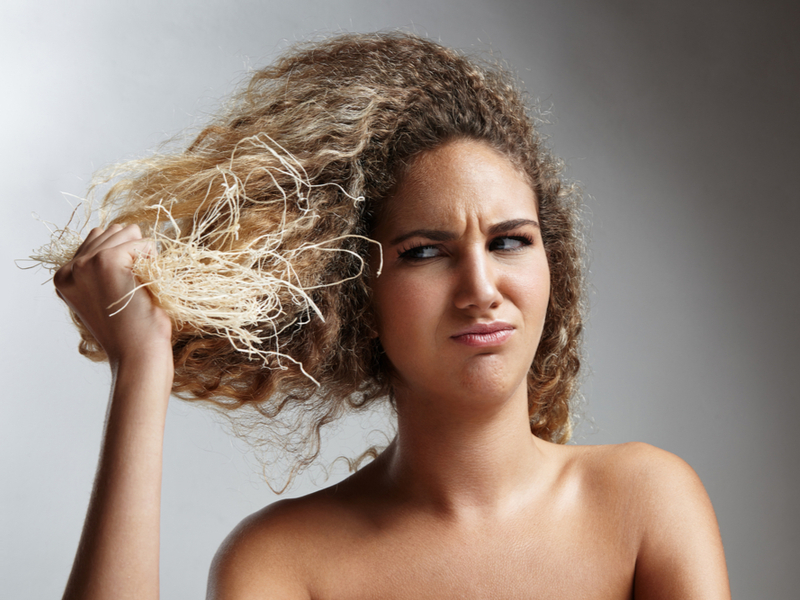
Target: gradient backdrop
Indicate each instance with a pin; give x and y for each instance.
(680, 118)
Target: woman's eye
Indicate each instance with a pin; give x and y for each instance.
(420, 253)
(510, 243)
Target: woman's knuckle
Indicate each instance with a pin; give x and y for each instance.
(79, 264)
(61, 277)
(104, 259)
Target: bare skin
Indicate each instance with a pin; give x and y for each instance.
(465, 502)
(611, 522)
(118, 553)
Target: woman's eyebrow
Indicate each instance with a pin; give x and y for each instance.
(439, 235)
(506, 226)
(436, 235)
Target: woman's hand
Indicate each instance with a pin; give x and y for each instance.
(96, 285)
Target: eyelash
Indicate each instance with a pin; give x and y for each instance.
(407, 253)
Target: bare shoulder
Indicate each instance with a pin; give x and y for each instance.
(256, 559)
(680, 551)
(284, 550)
(642, 464)
(634, 470)
(659, 483)
(656, 486)
(269, 554)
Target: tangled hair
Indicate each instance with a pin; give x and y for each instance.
(349, 113)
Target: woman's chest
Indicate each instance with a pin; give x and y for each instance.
(559, 559)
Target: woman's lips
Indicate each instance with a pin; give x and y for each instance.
(484, 334)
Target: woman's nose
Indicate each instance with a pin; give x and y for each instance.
(477, 282)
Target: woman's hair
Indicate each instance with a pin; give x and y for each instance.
(349, 113)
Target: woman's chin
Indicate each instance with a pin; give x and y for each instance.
(484, 380)
(489, 383)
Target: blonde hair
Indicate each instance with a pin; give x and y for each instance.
(310, 148)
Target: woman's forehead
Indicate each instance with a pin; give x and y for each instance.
(456, 180)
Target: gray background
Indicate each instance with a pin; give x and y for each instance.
(680, 118)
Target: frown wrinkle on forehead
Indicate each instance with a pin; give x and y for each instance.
(423, 199)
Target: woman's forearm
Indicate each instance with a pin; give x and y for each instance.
(118, 552)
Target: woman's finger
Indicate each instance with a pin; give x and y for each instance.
(107, 255)
(112, 259)
(113, 234)
(137, 247)
(91, 239)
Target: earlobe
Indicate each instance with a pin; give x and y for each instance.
(373, 331)
(371, 324)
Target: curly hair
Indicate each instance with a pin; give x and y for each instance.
(353, 111)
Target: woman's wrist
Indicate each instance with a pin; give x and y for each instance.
(147, 369)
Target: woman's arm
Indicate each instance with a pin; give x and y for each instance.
(118, 552)
(681, 553)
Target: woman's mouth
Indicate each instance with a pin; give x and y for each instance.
(484, 334)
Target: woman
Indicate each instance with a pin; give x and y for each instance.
(467, 317)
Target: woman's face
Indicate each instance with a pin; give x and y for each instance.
(461, 301)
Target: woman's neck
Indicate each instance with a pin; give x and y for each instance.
(474, 460)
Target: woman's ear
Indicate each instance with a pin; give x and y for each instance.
(370, 318)
(371, 324)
